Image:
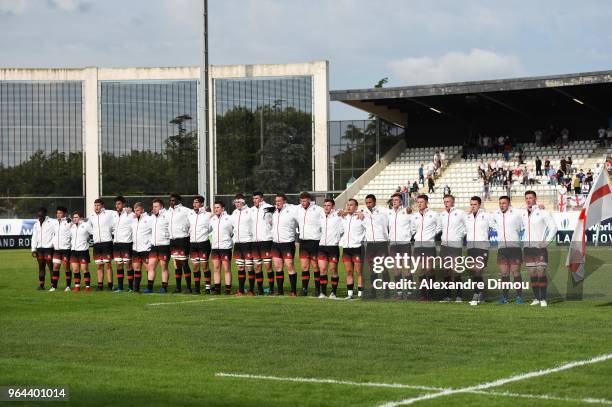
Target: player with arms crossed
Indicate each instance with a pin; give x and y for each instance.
(309, 223)
(261, 212)
(284, 226)
(241, 222)
(221, 253)
(329, 249)
(141, 246)
(199, 231)
(122, 241)
(61, 248)
(477, 224)
(352, 245)
(80, 230)
(540, 230)
(160, 247)
(42, 245)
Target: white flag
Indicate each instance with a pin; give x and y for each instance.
(597, 207)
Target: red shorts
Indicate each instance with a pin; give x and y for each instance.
(329, 253)
(44, 253)
(61, 256)
(352, 254)
(160, 252)
(242, 251)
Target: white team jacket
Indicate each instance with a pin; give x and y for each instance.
(242, 222)
(425, 226)
(540, 227)
(160, 229)
(261, 223)
(79, 236)
(61, 233)
(102, 224)
(453, 227)
(122, 226)
(141, 232)
(222, 229)
(376, 222)
(284, 224)
(331, 229)
(309, 221)
(42, 235)
(400, 226)
(477, 229)
(354, 231)
(179, 222)
(508, 225)
(199, 225)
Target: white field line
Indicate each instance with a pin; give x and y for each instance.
(328, 381)
(500, 382)
(409, 386)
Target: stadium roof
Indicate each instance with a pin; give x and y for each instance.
(529, 97)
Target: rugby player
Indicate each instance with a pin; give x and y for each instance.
(284, 225)
(160, 247)
(352, 244)
(61, 248)
(261, 212)
(122, 242)
(241, 222)
(477, 225)
(141, 245)
(426, 225)
(376, 222)
(42, 245)
(101, 221)
(221, 253)
(509, 223)
(540, 230)
(199, 250)
(453, 230)
(309, 223)
(80, 230)
(179, 241)
(328, 251)
(400, 228)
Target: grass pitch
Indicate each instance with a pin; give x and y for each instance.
(110, 348)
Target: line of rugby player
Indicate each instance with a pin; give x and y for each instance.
(263, 239)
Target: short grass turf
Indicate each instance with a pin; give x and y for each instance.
(114, 349)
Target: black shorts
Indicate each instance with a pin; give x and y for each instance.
(103, 251)
(283, 250)
(400, 249)
(483, 253)
(509, 255)
(262, 250)
(179, 248)
(140, 257)
(221, 254)
(448, 251)
(376, 249)
(63, 255)
(122, 250)
(309, 249)
(44, 253)
(535, 256)
(352, 254)
(79, 256)
(242, 251)
(200, 250)
(329, 253)
(160, 252)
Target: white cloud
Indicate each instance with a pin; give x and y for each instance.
(16, 7)
(456, 66)
(69, 5)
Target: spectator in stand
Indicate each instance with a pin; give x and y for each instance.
(567, 182)
(576, 185)
(414, 190)
(563, 165)
(597, 170)
(588, 179)
(508, 184)
(532, 177)
(580, 175)
(422, 175)
(447, 190)
(500, 144)
(443, 158)
(507, 149)
(570, 167)
(538, 165)
(546, 165)
(601, 136)
(430, 184)
(405, 195)
(552, 176)
(486, 189)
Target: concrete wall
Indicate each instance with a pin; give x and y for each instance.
(91, 76)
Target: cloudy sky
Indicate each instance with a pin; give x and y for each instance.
(409, 41)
